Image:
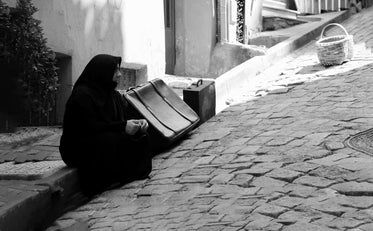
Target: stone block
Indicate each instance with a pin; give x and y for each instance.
(267, 182)
(354, 188)
(222, 179)
(195, 179)
(270, 210)
(306, 227)
(344, 223)
(284, 174)
(314, 181)
(133, 74)
(258, 222)
(366, 227)
(300, 190)
(302, 167)
(288, 202)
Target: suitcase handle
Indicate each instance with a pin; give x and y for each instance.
(198, 83)
(131, 88)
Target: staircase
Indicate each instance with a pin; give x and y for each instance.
(319, 6)
(278, 8)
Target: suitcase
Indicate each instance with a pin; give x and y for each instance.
(169, 117)
(201, 97)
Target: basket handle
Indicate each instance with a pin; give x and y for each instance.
(333, 24)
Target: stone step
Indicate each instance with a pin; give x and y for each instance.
(278, 12)
(274, 4)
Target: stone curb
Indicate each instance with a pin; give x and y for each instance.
(45, 201)
(241, 74)
(60, 192)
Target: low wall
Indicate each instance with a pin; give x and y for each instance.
(226, 56)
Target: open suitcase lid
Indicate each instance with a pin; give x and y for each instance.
(162, 107)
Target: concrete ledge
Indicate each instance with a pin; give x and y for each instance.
(241, 74)
(19, 213)
(39, 203)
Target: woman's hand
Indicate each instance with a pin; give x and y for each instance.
(143, 125)
(134, 126)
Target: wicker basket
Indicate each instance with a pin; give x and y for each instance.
(334, 50)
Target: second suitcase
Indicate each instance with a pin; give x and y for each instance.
(201, 98)
(169, 117)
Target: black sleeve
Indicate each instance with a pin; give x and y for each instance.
(86, 116)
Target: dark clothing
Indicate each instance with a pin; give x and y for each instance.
(94, 138)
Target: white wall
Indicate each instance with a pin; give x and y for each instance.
(232, 21)
(195, 36)
(133, 29)
(143, 35)
(253, 17)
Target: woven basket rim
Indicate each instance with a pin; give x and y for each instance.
(343, 38)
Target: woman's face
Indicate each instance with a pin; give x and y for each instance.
(117, 75)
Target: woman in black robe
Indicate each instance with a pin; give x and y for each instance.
(98, 138)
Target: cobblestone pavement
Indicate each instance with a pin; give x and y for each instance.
(275, 162)
(30, 153)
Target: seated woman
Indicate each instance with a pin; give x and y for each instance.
(98, 138)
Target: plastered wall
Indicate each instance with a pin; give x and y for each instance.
(133, 29)
(253, 17)
(195, 36)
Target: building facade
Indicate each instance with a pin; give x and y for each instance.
(176, 37)
(77, 30)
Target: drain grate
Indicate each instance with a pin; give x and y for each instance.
(362, 141)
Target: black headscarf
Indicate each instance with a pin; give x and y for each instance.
(99, 72)
(94, 103)
(98, 76)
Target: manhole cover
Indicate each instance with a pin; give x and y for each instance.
(362, 141)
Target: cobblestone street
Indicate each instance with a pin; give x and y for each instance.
(274, 160)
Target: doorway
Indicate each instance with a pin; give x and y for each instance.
(169, 23)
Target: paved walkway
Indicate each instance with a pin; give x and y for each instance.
(275, 160)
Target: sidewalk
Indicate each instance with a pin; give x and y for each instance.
(276, 162)
(35, 185)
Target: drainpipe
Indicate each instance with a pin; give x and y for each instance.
(218, 21)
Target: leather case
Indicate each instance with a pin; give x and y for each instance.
(169, 117)
(201, 98)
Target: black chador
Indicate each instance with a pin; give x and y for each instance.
(98, 137)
